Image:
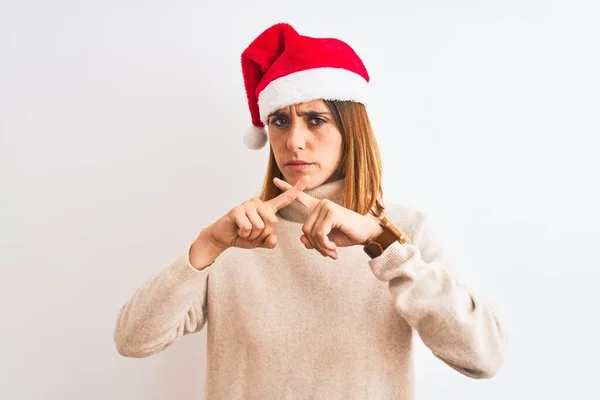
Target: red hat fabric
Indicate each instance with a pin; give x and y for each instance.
(281, 68)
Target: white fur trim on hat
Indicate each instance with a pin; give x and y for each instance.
(312, 84)
(255, 137)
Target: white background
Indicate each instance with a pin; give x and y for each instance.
(121, 137)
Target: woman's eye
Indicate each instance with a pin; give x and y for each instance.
(278, 121)
(317, 121)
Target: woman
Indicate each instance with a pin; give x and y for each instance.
(313, 289)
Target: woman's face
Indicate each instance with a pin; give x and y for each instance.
(306, 141)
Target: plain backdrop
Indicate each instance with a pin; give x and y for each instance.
(121, 130)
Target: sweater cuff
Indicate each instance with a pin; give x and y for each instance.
(183, 273)
(390, 260)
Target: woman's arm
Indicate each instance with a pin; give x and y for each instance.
(456, 325)
(168, 306)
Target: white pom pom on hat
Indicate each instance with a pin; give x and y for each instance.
(255, 137)
(281, 67)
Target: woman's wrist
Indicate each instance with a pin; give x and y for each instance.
(204, 251)
(375, 231)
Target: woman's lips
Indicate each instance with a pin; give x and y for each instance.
(299, 167)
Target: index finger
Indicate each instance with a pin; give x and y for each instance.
(303, 198)
(288, 197)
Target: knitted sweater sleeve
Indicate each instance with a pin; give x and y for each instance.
(166, 307)
(454, 323)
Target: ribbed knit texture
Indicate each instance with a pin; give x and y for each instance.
(288, 323)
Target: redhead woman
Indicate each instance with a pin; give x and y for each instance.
(315, 288)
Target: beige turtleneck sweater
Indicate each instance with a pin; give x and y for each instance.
(288, 323)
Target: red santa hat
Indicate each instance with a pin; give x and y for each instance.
(282, 67)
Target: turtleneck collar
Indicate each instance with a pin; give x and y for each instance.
(333, 191)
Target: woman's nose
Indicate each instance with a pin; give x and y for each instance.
(297, 137)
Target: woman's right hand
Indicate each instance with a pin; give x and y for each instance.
(250, 224)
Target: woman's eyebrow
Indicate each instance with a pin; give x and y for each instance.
(312, 113)
(278, 113)
(306, 113)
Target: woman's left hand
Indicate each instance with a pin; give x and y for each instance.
(330, 225)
